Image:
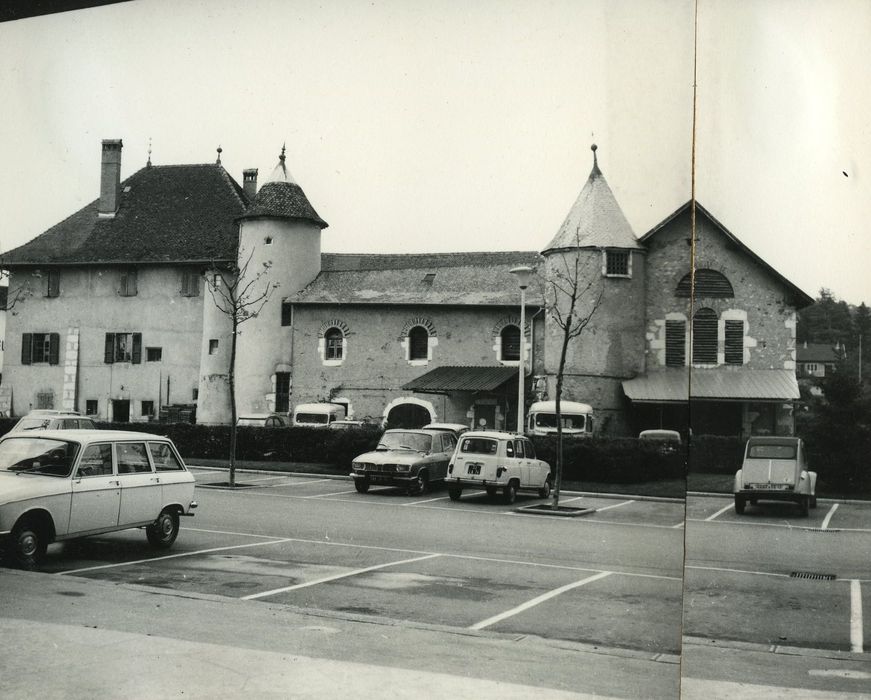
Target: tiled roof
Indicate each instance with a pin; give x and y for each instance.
(817, 352)
(459, 378)
(166, 213)
(595, 220)
(669, 386)
(285, 200)
(451, 278)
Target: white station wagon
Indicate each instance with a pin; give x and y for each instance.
(62, 484)
(495, 462)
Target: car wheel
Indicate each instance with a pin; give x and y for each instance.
(362, 485)
(804, 504)
(455, 494)
(491, 491)
(739, 504)
(813, 501)
(544, 491)
(29, 545)
(163, 531)
(509, 492)
(418, 486)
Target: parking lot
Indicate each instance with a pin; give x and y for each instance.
(475, 564)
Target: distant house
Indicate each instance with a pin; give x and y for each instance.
(816, 360)
(118, 318)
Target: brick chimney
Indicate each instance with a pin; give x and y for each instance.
(110, 177)
(249, 182)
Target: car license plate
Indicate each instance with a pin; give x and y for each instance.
(473, 468)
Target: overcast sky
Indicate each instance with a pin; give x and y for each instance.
(444, 125)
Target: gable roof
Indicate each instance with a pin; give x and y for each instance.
(800, 299)
(166, 213)
(478, 279)
(595, 219)
(818, 352)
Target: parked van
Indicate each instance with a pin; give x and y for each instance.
(576, 418)
(317, 415)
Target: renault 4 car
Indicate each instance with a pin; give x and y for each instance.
(62, 484)
(775, 469)
(48, 419)
(410, 458)
(497, 462)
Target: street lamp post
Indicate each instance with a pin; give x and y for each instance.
(522, 274)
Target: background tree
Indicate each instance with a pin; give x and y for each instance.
(241, 297)
(573, 293)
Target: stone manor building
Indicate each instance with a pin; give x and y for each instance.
(112, 313)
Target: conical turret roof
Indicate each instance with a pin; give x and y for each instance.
(595, 220)
(280, 197)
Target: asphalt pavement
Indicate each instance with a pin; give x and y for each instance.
(68, 637)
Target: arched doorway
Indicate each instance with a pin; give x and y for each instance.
(408, 415)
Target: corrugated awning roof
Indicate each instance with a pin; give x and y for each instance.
(713, 385)
(452, 378)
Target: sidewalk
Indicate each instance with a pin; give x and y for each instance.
(71, 637)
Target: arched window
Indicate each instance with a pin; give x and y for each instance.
(710, 284)
(705, 337)
(511, 343)
(418, 343)
(334, 343)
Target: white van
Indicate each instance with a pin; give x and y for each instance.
(576, 418)
(317, 415)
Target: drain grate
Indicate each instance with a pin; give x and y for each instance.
(818, 529)
(811, 576)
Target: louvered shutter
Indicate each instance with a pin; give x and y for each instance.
(137, 348)
(734, 343)
(54, 348)
(26, 348)
(675, 343)
(109, 354)
(705, 337)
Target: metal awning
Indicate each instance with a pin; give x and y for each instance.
(453, 378)
(722, 384)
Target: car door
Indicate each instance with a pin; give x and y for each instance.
(523, 463)
(538, 470)
(96, 491)
(140, 488)
(442, 451)
(176, 483)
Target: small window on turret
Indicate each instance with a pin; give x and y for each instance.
(618, 263)
(268, 240)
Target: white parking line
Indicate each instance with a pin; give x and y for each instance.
(615, 505)
(172, 556)
(678, 526)
(428, 500)
(335, 493)
(856, 641)
(539, 599)
(718, 513)
(335, 577)
(829, 516)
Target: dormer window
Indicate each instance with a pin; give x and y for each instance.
(617, 263)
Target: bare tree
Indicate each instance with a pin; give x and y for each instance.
(18, 293)
(573, 294)
(240, 297)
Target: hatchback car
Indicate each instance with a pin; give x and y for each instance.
(59, 484)
(411, 458)
(496, 461)
(775, 469)
(54, 420)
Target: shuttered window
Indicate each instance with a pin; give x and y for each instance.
(282, 392)
(40, 348)
(128, 286)
(710, 284)
(511, 343)
(52, 286)
(675, 343)
(418, 343)
(190, 283)
(705, 337)
(734, 343)
(123, 347)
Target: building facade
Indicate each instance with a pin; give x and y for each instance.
(128, 306)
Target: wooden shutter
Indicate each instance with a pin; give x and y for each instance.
(53, 283)
(705, 337)
(109, 354)
(26, 348)
(734, 343)
(53, 348)
(137, 348)
(675, 343)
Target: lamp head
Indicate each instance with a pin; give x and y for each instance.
(522, 274)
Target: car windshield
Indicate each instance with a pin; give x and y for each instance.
(320, 418)
(31, 423)
(548, 420)
(37, 456)
(479, 446)
(764, 451)
(405, 441)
